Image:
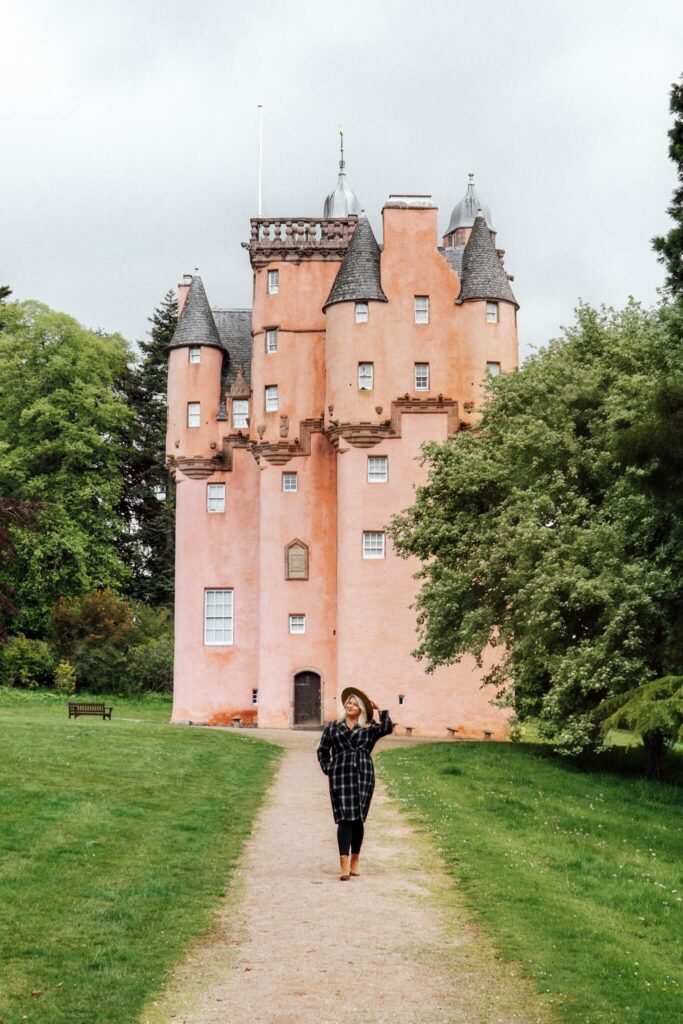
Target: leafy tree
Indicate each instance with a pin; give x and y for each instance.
(13, 513)
(654, 710)
(554, 529)
(148, 500)
(670, 246)
(60, 424)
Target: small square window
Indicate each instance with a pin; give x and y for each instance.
(373, 544)
(254, 697)
(218, 618)
(378, 469)
(159, 492)
(240, 412)
(290, 482)
(273, 282)
(362, 313)
(297, 624)
(492, 312)
(366, 376)
(194, 414)
(401, 699)
(422, 376)
(271, 340)
(493, 369)
(215, 497)
(421, 309)
(195, 354)
(272, 398)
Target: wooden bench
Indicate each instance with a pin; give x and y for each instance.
(77, 708)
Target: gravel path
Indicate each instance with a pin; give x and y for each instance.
(291, 944)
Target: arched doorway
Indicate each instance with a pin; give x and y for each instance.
(307, 700)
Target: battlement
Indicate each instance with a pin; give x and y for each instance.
(292, 239)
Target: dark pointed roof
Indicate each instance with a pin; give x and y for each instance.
(196, 325)
(483, 275)
(358, 279)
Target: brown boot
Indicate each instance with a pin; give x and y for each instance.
(344, 869)
(355, 865)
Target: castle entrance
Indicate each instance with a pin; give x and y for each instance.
(307, 700)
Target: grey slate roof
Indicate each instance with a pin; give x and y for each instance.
(483, 275)
(234, 331)
(196, 325)
(453, 256)
(358, 278)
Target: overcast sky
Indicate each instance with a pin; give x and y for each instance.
(130, 140)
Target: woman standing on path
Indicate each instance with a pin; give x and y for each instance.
(344, 756)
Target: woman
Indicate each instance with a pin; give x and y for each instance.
(344, 756)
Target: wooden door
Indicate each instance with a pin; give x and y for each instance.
(307, 699)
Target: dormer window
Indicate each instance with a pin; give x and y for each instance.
(421, 309)
(195, 354)
(240, 412)
(491, 312)
(273, 282)
(362, 313)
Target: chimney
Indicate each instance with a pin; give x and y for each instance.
(183, 289)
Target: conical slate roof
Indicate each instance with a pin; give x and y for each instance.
(483, 275)
(196, 325)
(358, 278)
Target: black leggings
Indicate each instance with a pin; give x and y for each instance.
(349, 836)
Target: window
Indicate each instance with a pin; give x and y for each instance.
(366, 376)
(273, 282)
(297, 623)
(401, 699)
(194, 415)
(290, 482)
(218, 617)
(362, 314)
(373, 544)
(296, 561)
(159, 492)
(240, 412)
(271, 339)
(254, 696)
(195, 354)
(378, 469)
(492, 312)
(272, 402)
(422, 376)
(215, 497)
(493, 369)
(421, 309)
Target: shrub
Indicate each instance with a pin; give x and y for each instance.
(65, 679)
(150, 667)
(26, 663)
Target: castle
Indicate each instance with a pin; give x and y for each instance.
(294, 434)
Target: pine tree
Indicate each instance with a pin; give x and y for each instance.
(670, 246)
(148, 503)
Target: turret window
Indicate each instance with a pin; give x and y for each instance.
(362, 313)
(366, 376)
(273, 282)
(373, 544)
(194, 414)
(378, 469)
(297, 624)
(492, 312)
(195, 354)
(271, 339)
(240, 412)
(272, 398)
(493, 369)
(421, 309)
(290, 482)
(215, 497)
(422, 376)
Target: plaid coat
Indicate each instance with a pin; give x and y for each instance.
(344, 756)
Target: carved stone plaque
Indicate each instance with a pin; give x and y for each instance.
(296, 561)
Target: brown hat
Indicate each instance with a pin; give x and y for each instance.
(363, 698)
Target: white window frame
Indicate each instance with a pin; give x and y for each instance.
(295, 621)
(491, 312)
(194, 354)
(215, 498)
(227, 604)
(271, 398)
(271, 340)
(421, 309)
(240, 413)
(194, 415)
(493, 368)
(273, 282)
(362, 313)
(374, 544)
(366, 372)
(287, 480)
(422, 375)
(375, 474)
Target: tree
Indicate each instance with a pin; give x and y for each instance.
(554, 529)
(670, 246)
(13, 513)
(654, 710)
(148, 500)
(60, 424)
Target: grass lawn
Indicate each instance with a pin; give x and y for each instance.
(116, 841)
(575, 871)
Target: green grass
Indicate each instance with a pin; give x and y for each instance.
(116, 842)
(575, 871)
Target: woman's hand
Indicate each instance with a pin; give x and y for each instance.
(375, 706)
